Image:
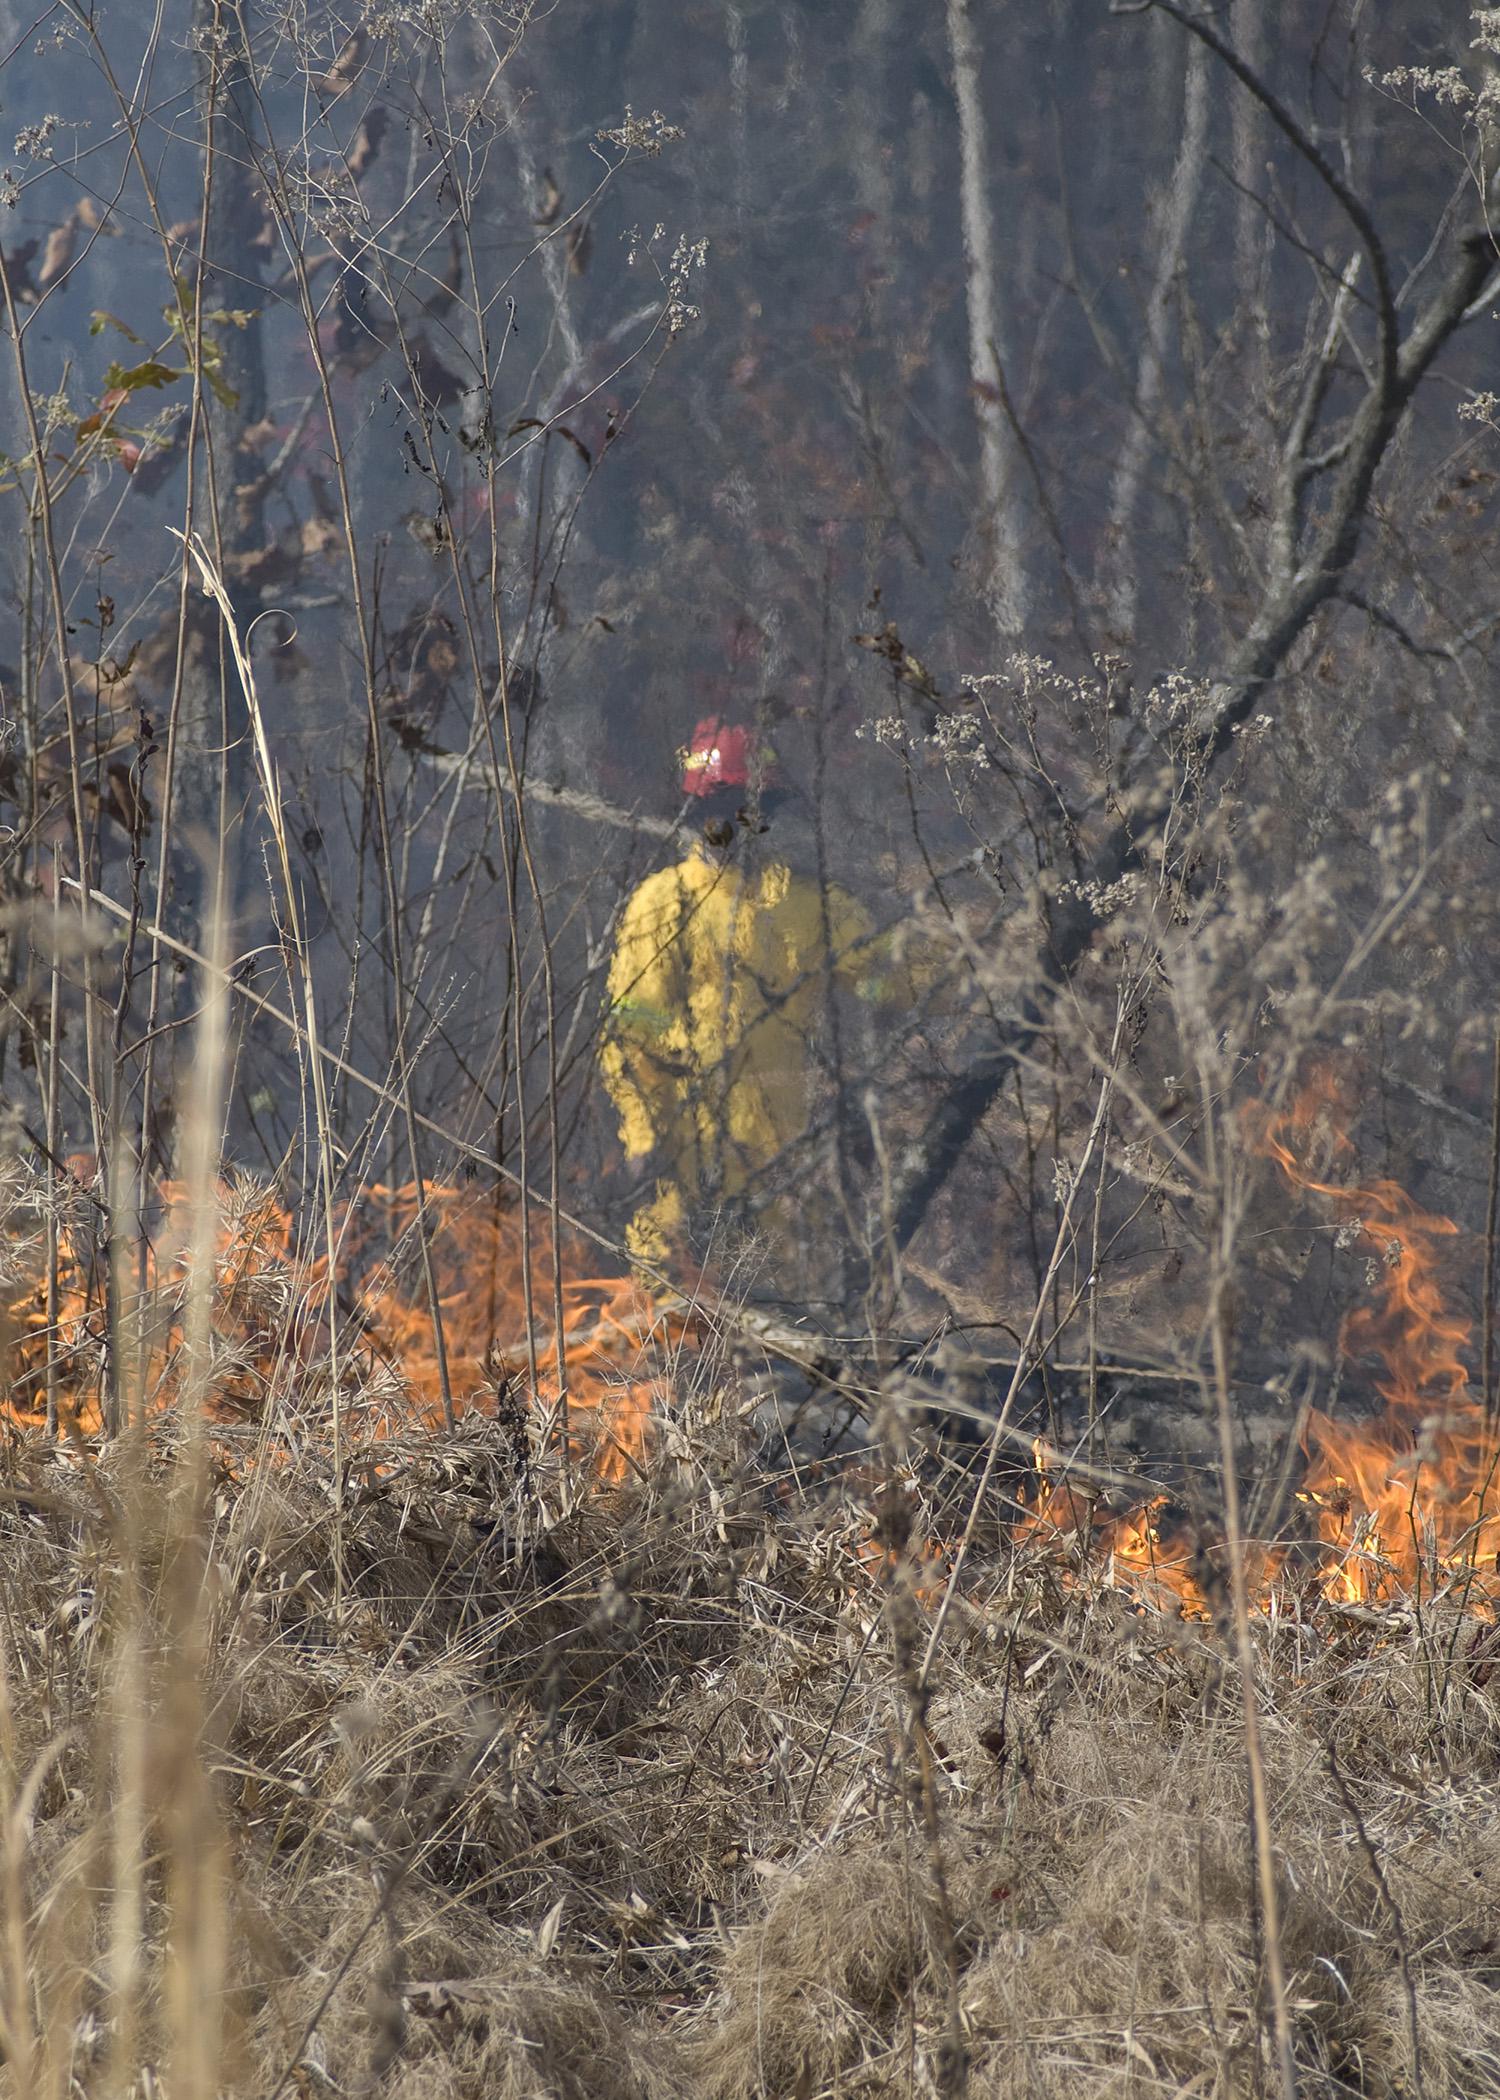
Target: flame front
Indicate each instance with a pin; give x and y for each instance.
(1406, 1505)
(1133, 1551)
(269, 1313)
(482, 1261)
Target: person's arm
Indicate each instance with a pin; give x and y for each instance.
(643, 1015)
(886, 968)
(645, 992)
(862, 958)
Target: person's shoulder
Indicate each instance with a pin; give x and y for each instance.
(666, 890)
(776, 885)
(831, 901)
(662, 882)
(795, 893)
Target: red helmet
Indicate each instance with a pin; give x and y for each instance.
(726, 755)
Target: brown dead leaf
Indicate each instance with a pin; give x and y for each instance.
(260, 565)
(347, 65)
(57, 255)
(551, 201)
(367, 141)
(58, 252)
(18, 261)
(319, 536)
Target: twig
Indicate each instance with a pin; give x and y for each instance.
(1491, 1213)
(1244, 1647)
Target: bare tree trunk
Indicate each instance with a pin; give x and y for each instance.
(1174, 217)
(210, 771)
(1248, 149)
(232, 275)
(1004, 582)
(550, 476)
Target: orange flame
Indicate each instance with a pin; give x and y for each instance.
(1130, 1551)
(608, 1325)
(269, 1312)
(1407, 1504)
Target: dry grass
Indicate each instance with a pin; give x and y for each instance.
(621, 1803)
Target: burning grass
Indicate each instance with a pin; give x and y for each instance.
(1412, 1500)
(526, 1337)
(1404, 1505)
(578, 1752)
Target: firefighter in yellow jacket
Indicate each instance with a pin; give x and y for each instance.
(719, 977)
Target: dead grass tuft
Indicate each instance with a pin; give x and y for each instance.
(619, 1803)
(814, 1987)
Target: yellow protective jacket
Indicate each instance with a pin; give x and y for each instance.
(717, 982)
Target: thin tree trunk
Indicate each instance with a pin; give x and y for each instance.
(233, 277)
(211, 777)
(1004, 583)
(1174, 217)
(1248, 150)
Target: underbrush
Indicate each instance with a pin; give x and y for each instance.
(475, 1786)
